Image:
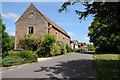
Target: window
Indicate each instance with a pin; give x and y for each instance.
(48, 30)
(31, 15)
(31, 30)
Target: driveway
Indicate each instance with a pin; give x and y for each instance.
(74, 65)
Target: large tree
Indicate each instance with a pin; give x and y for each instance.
(5, 40)
(104, 31)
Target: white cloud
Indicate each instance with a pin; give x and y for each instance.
(11, 16)
(86, 38)
(12, 33)
(70, 33)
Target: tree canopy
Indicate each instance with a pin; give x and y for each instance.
(104, 31)
(5, 40)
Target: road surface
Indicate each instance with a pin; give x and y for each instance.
(74, 65)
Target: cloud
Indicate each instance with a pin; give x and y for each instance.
(10, 16)
(70, 33)
(86, 38)
(12, 33)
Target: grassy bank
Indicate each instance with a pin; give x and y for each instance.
(107, 65)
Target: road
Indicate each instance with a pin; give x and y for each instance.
(75, 65)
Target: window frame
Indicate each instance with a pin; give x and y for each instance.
(33, 14)
(30, 30)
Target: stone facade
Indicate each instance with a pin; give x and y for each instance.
(36, 23)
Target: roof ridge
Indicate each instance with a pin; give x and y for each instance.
(49, 20)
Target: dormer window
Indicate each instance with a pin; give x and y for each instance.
(31, 30)
(31, 15)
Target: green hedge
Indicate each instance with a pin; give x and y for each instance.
(29, 56)
(12, 60)
(19, 57)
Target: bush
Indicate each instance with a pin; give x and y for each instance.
(62, 46)
(55, 50)
(19, 57)
(29, 56)
(68, 48)
(12, 60)
(41, 52)
(29, 42)
(47, 43)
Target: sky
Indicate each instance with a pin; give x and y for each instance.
(69, 21)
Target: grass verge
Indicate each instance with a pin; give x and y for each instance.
(107, 66)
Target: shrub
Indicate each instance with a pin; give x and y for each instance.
(68, 48)
(29, 56)
(55, 50)
(30, 43)
(41, 52)
(12, 60)
(47, 42)
(62, 46)
(19, 57)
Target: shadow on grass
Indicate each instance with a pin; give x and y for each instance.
(108, 69)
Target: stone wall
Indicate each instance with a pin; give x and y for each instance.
(22, 25)
(60, 36)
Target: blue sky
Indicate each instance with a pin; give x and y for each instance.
(69, 21)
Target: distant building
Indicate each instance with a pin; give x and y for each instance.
(77, 46)
(33, 22)
(74, 44)
(82, 46)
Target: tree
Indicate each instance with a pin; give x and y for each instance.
(47, 47)
(47, 43)
(12, 38)
(5, 40)
(90, 47)
(104, 31)
(29, 42)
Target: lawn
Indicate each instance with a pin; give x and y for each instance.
(107, 65)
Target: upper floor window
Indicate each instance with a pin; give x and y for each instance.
(31, 30)
(48, 30)
(31, 15)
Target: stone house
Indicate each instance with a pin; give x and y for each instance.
(82, 46)
(35, 23)
(77, 46)
(74, 44)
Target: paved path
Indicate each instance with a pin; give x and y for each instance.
(66, 66)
